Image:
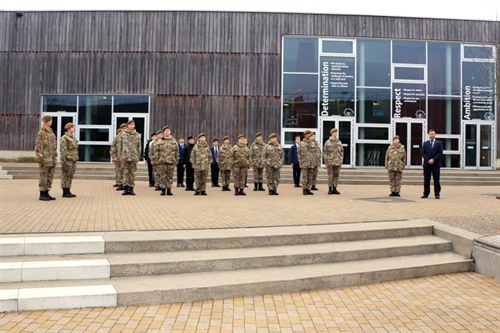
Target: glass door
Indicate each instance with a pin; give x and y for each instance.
(141, 125)
(59, 120)
(412, 134)
(478, 150)
(345, 128)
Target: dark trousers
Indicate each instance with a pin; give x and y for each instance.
(151, 175)
(189, 177)
(296, 174)
(435, 172)
(180, 174)
(215, 174)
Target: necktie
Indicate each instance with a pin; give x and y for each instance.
(432, 143)
(216, 151)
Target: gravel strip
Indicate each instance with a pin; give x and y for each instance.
(486, 225)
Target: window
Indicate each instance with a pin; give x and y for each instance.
(58, 103)
(408, 52)
(444, 69)
(300, 55)
(337, 46)
(444, 114)
(94, 110)
(374, 63)
(478, 52)
(300, 100)
(131, 104)
(373, 105)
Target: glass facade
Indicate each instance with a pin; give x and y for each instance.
(96, 118)
(380, 88)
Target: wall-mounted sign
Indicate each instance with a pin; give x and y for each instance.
(336, 86)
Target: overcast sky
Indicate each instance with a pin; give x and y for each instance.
(461, 9)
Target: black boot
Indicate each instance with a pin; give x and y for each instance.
(330, 190)
(261, 188)
(162, 191)
(271, 192)
(131, 190)
(157, 188)
(169, 191)
(335, 191)
(197, 192)
(304, 192)
(125, 190)
(43, 197)
(49, 196)
(276, 192)
(255, 186)
(71, 194)
(203, 193)
(236, 191)
(396, 194)
(242, 192)
(116, 185)
(393, 194)
(314, 188)
(309, 192)
(119, 188)
(66, 193)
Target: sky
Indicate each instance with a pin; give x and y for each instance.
(488, 10)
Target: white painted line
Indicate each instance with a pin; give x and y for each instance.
(11, 247)
(10, 271)
(66, 297)
(8, 300)
(66, 270)
(63, 245)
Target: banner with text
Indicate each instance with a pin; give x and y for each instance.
(336, 86)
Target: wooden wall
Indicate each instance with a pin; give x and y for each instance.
(216, 72)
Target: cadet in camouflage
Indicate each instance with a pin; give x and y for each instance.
(69, 156)
(257, 161)
(201, 158)
(114, 157)
(333, 152)
(164, 155)
(274, 158)
(156, 167)
(395, 162)
(224, 162)
(318, 163)
(307, 161)
(129, 151)
(46, 155)
(240, 161)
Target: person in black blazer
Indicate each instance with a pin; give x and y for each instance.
(148, 160)
(180, 162)
(188, 166)
(432, 151)
(294, 161)
(214, 167)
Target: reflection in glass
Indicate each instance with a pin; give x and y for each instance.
(485, 148)
(369, 154)
(373, 106)
(409, 100)
(374, 63)
(373, 133)
(131, 103)
(94, 134)
(478, 52)
(300, 100)
(478, 82)
(444, 114)
(337, 86)
(406, 52)
(56, 103)
(94, 153)
(290, 137)
(337, 46)
(470, 145)
(408, 73)
(344, 134)
(94, 110)
(300, 55)
(444, 69)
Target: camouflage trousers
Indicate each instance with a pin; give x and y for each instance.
(315, 175)
(307, 178)
(273, 177)
(165, 175)
(119, 172)
(239, 175)
(258, 175)
(156, 174)
(395, 178)
(46, 178)
(200, 179)
(129, 169)
(333, 175)
(68, 170)
(225, 177)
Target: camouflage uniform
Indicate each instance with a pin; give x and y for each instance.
(274, 159)
(156, 166)
(333, 154)
(316, 166)
(69, 154)
(165, 154)
(257, 160)
(129, 150)
(114, 155)
(201, 158)
(46, 155)
(223, 159)
(307, 159)
(240, 161)
(395, 162)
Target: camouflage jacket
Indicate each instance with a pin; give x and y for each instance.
(318, 154)
(333, 152)
(129, 146)
(274, 155)
(240, 156)
(395, 157)
(201, 156)
(46, 147)
(223, 159)
(257, 154)
(113, 151)
(308, 153)
(69, 148)
(165, 151)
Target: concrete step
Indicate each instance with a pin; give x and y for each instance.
(26, 246)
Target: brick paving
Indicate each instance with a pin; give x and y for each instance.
(467, 302)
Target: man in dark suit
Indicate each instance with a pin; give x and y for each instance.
(214, 167)
(148, 159)
(180, 163)
(432, 151)
(188, 166)
(294, 161)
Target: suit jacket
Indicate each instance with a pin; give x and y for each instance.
(294, 156)
(214, 158)
(187, 156)
(146, 150)
(181, 154)
(434, 153)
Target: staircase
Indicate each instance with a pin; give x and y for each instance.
(4, 174)
(372, 176)
(129, 268)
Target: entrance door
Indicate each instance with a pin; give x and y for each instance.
(345, 129)
(411, 133)
(141, 125)
(59, 120)
(479, 150)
